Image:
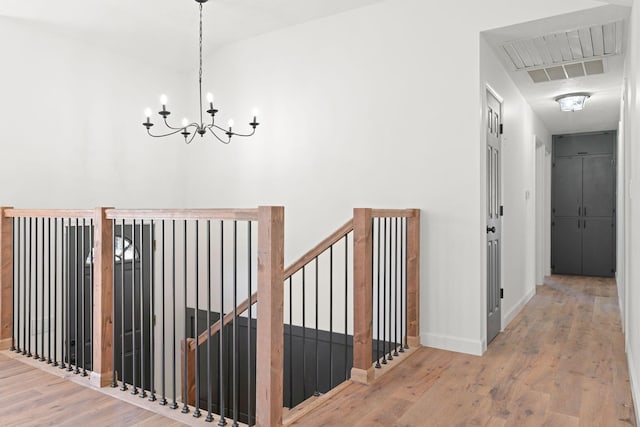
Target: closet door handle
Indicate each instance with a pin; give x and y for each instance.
(584, 211)
(578, 210)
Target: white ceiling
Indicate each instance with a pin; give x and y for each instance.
(155, 30)
(602, 110)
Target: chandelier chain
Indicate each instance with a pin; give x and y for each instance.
(200, 70)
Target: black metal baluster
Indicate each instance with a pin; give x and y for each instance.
(196, 412)
(304, 335)
(384, 292)
(249, 364)
(390, 260)
(406, 300)
(35, 290)
(174, 404)
(123, 241)
(209, 417)
(25, 281)
(378, 298)
(42, 358)
(13, 283)
(346, 304)
(90, 303)
(64, 302)
(330, 317)
(49, 251)
(395, 297)
(290, 344)
(222, 421)
(76, 294)
(83, 297)
(317, 390)
(20, 282)
(143, 392)
(402, 254)
(114, 378)
(163, 400)
(55, 292)
(235, 324)
(29, 289)
(185, 391)
(134, 371)
(68, 280)
(152, 317)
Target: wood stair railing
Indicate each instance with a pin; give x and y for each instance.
(360, 224)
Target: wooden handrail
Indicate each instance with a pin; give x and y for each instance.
(318, 249)
(49, 213)
(213, 329)
(393, 213)
(222, 214)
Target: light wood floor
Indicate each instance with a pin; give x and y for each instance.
(561, 362)
(31, 397)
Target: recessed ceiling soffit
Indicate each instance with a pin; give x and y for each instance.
(567, 54)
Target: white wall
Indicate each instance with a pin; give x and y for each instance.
(631, 125)
(70, 125)
(378, 107)
(521, 129)
(543, 211)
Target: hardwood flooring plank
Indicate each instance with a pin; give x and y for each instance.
(560, 362)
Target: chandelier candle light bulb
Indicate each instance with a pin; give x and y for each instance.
(200, 127)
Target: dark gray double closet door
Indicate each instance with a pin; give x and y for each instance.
(583, 208)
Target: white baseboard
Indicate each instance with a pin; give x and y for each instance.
(511, 314)
(633, 381)
(457, 344)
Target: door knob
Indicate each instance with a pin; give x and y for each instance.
(491, 229)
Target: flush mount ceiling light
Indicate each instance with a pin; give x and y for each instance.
(189, 130)
(572, 101)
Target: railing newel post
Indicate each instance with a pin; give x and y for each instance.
(413, 279)
(270, 320)
(103, 313)
(6, 279)
(363, 370)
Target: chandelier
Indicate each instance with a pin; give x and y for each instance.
(190, 130)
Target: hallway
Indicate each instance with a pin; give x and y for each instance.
(561, 362)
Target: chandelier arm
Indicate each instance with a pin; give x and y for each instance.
(171, 127)
(213, 125)
(245, 135)
(163, 135)
(233, 133)
(190, 139)
(218, 138)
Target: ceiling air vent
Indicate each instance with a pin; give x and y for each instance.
(567, 71)
(594, 67)
(583, 44)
